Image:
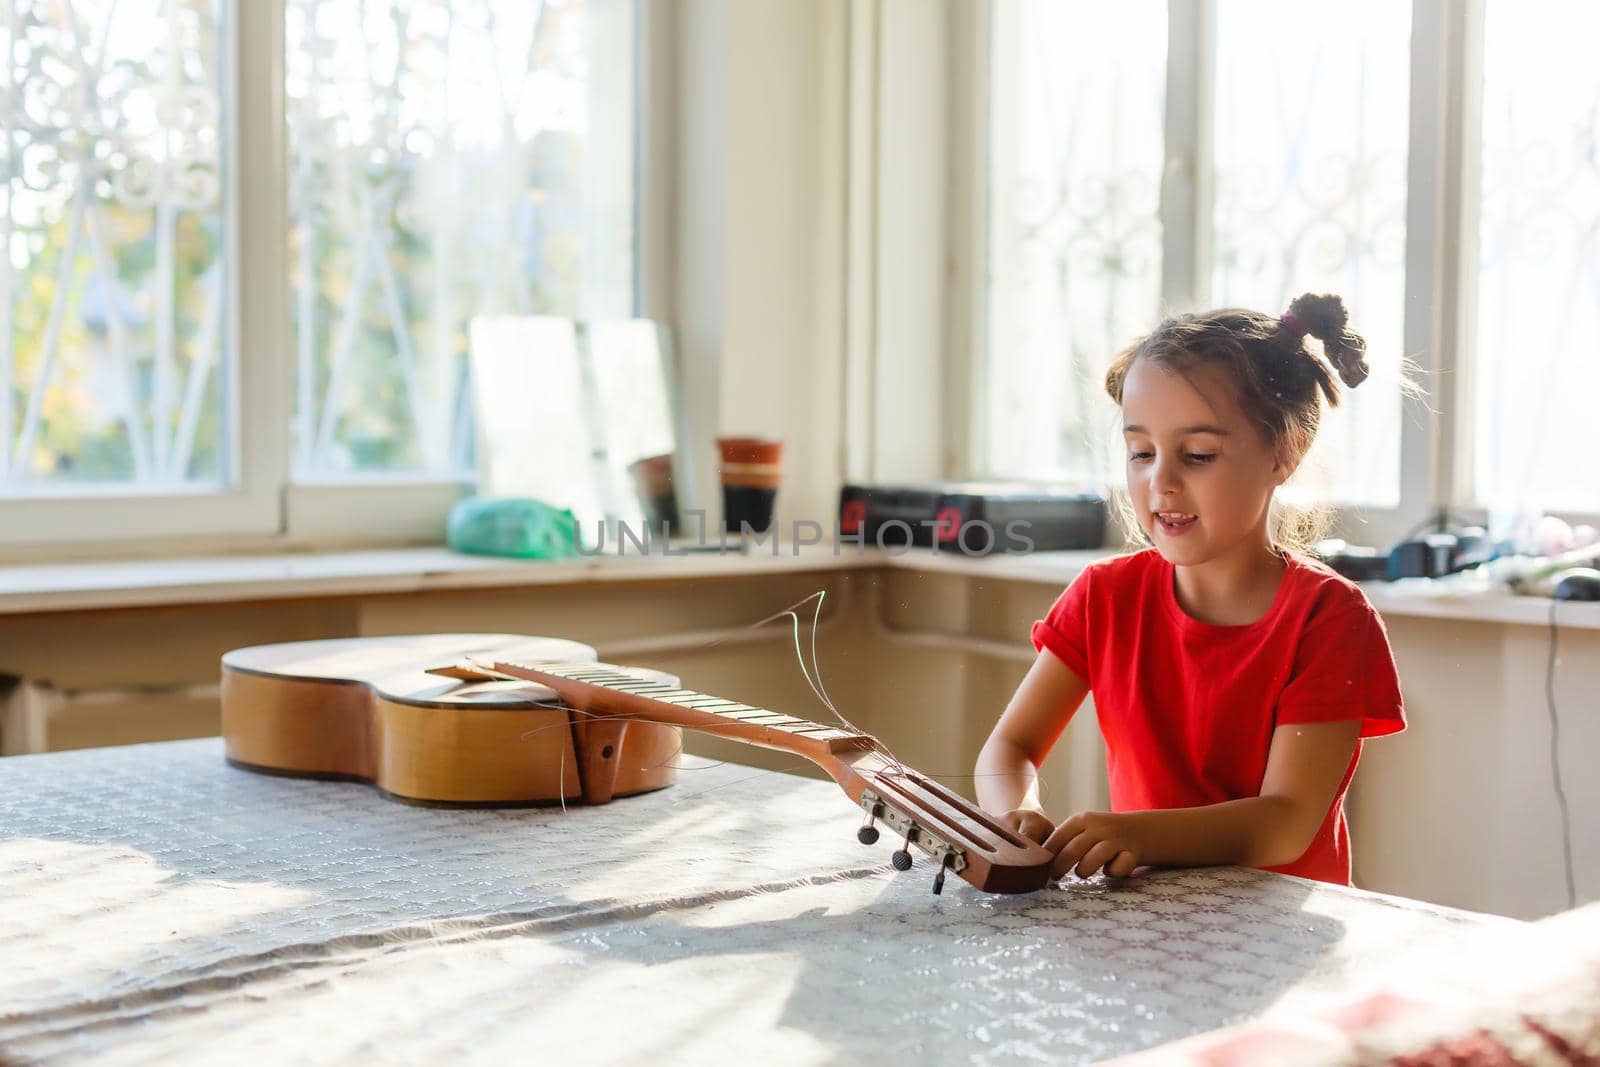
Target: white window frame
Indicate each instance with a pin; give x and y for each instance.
(1441, 243)
(251, 503)
(263, 507)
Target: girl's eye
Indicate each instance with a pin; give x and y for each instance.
(1201, 457)
(1135, 457)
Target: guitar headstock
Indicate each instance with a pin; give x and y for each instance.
(954, 832)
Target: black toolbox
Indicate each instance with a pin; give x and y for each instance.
(975, 518)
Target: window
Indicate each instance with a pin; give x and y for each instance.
(113, 289)
(1294, 173)
(1538, 283)
(1310, 196)
(446, 161)
(1308, 192)
(1075, 232)
(439, 160)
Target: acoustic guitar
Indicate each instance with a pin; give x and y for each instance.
(502, 720)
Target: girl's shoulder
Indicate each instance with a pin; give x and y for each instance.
(1125, 569)
(1134, 561)
(1323, 588)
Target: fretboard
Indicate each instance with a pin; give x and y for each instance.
(703, 712)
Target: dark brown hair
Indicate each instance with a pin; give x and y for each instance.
(1282, 381)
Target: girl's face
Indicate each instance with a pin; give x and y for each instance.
(1200, 476)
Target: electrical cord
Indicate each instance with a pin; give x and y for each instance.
(1555, 758)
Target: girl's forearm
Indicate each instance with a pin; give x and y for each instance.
(1006, 778)
(1253, 832)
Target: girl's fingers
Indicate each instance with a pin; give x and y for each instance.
(1028, 824)
(1070, 853)
(1070, 828)
(1098, 856)
(1036, 827)
(1122, 864)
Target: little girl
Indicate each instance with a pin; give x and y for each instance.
(1234, 679)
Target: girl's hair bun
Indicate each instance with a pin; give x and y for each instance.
(1325, 318)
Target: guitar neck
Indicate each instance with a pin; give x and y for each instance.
(957, 834)
(600, 689)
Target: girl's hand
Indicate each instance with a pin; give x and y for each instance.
(1029, 823)
(1091, 840)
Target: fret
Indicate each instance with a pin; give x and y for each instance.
(731, 710)
(697, 701)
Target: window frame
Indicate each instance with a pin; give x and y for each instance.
(264, 507)
(251, 504)
(1443, 164)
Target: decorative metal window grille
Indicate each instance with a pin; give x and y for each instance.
(447, 160)
(1308, 156)
(1075, 230)
(113, 280)
(1536, 367)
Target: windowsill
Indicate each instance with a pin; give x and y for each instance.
(53, 587)
(213, 579)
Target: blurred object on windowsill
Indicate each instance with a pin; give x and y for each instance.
(518, 527)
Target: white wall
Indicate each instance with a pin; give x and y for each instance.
(758, 237)
(810, 247)
(1461, 808)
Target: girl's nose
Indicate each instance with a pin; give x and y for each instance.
(1164, 477)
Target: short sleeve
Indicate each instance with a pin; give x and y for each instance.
(1065, 628)
(1343, 670)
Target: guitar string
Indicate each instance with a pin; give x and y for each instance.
(900, 769)
(817, 688)
(815, 684)
(813, 679)
(678, 798)
(709, 763)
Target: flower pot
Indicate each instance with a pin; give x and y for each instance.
(750, 472)
(652, 481)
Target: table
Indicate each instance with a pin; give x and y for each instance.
(163, 906)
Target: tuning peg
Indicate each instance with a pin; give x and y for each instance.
(901, 858)
(868, 834)
(938, 879)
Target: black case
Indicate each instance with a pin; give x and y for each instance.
(975, 518)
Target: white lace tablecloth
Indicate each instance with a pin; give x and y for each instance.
(157, 905)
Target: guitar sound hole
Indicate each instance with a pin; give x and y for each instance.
(605, 753)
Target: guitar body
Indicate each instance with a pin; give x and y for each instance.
(364, 709)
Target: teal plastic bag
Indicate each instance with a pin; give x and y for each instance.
(512, 526)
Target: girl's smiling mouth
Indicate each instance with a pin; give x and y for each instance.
(1174, 523)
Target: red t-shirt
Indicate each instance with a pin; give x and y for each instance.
(1187, 709)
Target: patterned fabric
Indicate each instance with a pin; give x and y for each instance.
(1502, 996)
(162, 906)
